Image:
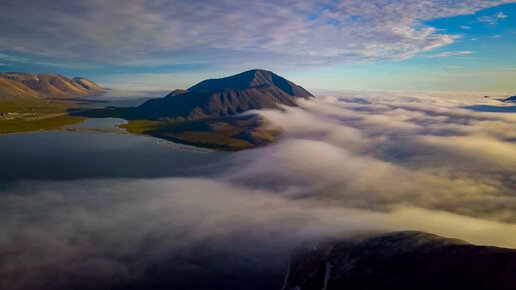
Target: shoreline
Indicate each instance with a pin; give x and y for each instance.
(159, 142)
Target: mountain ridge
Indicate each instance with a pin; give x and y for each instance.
(45, 86)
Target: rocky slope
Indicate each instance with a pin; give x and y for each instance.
(250, 90)
(14, 85)
(402, 260)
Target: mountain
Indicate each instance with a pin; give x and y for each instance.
(402, 260)
(250, 90)
(204, 114)
(510, 99)
(45, 85)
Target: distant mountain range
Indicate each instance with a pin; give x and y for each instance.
(251, 90)
(402, 261)
(510, 99)
(28, 85)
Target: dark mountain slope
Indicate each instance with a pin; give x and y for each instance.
(250, 90)
(248, 79)
(403, 260)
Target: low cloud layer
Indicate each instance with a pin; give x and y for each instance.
(141, 234)
(382, 152)
(346, 164)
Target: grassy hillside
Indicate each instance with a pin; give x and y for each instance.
(26, 115)
(227, 134)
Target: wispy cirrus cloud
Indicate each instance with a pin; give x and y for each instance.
(451, 53)
(492, 20)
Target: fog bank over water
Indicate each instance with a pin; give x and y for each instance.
(115, 231)
(346, 164)
(380, 152)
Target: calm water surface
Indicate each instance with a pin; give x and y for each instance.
(61, 155)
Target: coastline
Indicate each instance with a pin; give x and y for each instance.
(161, 142)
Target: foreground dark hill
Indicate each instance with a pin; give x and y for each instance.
(402, 260)
(250, 90)
(398, 260)
(21, 85)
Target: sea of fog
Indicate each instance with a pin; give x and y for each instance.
(96, 210)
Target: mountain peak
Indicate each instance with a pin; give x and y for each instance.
(259, 71)
(249, 79)
(263, 77)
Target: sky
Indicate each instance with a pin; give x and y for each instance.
(331, 44)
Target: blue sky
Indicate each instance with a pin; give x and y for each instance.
(329, 44)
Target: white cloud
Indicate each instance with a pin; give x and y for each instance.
(451, 53)
(465, 27)
(422, 151)
(161, 32)
(492, 20)
(501, 15)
